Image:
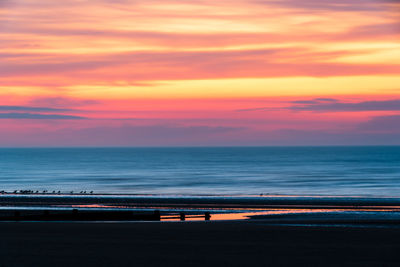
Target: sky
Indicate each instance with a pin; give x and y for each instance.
(199, 72)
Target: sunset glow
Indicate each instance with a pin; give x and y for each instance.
(176, 73)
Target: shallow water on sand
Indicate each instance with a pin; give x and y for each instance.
(361, 171)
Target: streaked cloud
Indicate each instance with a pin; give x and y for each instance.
(151, 135)
(315, 101)
(333, 105)
(336, 106)
(378, 124)
(61, 102)
(30, 108)
(199, 72)
(327, 5)
(39, 116)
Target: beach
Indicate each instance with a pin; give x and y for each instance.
(122, 230)
(229, 243)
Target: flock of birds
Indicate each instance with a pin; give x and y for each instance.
(45, 192)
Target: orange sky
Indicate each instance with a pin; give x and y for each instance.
(199, 72)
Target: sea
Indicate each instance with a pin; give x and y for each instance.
(315, 171)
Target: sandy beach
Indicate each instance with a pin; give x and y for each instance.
(245, 243)
(49, 230)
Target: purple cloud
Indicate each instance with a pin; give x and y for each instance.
(317, 105)
(382, 124)
(328, 5)
(314, 101)
(39, 116)
(334, 105)
(34, 109)
(175, 135)
(128, 135)
(326, 138)
(62, 102)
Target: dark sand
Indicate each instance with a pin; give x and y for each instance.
(238, 243)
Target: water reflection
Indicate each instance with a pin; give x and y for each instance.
(247, 214)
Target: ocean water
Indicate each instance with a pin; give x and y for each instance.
(354, 171)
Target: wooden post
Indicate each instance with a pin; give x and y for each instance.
(207, 216)
(157, 215)
(75, 214)
(46, 214)
(182, 216)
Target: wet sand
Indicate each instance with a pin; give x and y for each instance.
(198, 201)
(254, 242)
(230, 243)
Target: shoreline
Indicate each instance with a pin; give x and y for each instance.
(100, 193)
(274, 231)
(205, 199)
(271, 210)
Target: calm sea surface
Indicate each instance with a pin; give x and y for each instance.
(363, 171)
